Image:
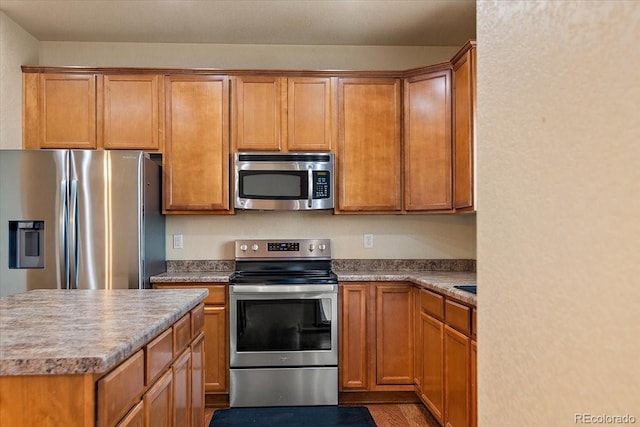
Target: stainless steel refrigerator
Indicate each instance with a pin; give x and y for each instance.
(79, 219)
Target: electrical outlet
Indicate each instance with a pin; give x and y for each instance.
(367, 241)
(177, 241)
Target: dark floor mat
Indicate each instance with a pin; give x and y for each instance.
(294, 416)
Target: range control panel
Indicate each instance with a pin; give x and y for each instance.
(283, 249)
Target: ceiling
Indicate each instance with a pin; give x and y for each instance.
(298, 22)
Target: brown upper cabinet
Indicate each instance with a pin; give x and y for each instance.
(131, 106)
(464, 113)
(91, 111)
(196, 157)
(369, 147)
(427, 141)
(59, 111)
(273, 113)
(404, 141)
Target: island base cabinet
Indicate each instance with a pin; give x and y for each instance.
(135, 417)
(182, 390)
(158, 402)
(36, 401)
(197, 381)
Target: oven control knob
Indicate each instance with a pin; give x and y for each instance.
(244, 248)
(312, 247)
(322, 247)
(254, 247)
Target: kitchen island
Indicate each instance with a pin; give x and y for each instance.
(101, 357)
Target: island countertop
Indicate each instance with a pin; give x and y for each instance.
(65, 332)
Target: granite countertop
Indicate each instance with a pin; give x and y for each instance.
(65, 332)
(192, 276)
(439, 281)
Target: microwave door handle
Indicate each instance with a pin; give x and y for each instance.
(310, 187)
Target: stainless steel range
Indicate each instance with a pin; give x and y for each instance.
(283, 324)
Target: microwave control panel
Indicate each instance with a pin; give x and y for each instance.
(321, 185)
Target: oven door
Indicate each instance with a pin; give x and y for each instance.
(283, 325)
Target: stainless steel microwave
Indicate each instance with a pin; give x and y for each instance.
(284, 181)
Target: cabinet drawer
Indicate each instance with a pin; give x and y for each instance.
(181, 333)
(458, 316)
(159, 355)
(432, 303)
(217, 295)
(120, 389)
(197, 320)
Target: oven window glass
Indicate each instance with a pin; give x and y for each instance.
(278, 185)
(284, 325)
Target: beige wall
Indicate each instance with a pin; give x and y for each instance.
(202, 55)
(407, 236)
(558, 228)
(17, 47)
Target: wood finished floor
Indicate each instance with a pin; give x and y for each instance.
(388, 415)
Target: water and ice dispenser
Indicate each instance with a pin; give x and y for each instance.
(26, 244)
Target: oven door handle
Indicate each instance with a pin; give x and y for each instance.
(246, 289)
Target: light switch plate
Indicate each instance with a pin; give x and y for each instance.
(177, 241)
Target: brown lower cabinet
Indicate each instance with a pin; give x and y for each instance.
(445, 379)
(216, 346)
(376, 337)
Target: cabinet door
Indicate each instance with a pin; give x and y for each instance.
(257, 113)
(197, 381)
(417, 340)
(309, 114)
(474, 384)
(182, 389)
(130, 112)
(196, 159)
(216, 365)
(158, 401)
(432, 379)
(353, 337)
(394, 334)
(135, 417)
(464, 105)
(67, 111)
(456, 376)
(427, 142)
(369, 145)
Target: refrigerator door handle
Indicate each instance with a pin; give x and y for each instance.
(64, 245)
(73, 235)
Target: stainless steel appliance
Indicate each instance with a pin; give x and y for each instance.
(283, 324)
(79, 219)
(284, 181)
